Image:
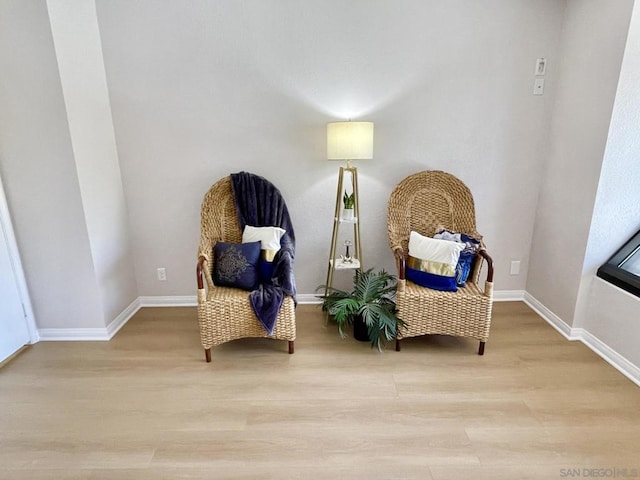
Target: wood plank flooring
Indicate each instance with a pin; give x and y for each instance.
(147, 406)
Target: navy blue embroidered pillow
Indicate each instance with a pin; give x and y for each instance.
(236, 265)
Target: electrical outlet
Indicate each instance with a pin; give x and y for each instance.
(538, 86)
(162, 274)
(515, 268)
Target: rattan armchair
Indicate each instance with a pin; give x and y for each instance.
(225, 314)
(424, 202)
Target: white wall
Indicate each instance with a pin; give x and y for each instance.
(593, 41)
(38, 170)
(616, 213)
(609, 313)
(59, 161)
(79, 53)
(202, 89)
(612, 317)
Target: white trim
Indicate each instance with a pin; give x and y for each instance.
(552, 319)
(73, 334)
(192, 300)
(308, 299)
(508, 295)
(169, 301)
(90, 334)
(117, 323)
(624, 366)
(14, 257)
(303, 299)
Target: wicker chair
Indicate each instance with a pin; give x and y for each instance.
(424, 202)
(225, 314)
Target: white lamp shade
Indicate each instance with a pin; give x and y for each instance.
(350, 140)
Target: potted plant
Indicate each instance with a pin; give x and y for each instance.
(369, 307)
(348, 201)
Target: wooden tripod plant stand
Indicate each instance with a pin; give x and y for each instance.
(355, 260)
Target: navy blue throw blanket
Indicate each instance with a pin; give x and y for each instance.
(260, 204)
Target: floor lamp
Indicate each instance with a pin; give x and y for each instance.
(347, 141)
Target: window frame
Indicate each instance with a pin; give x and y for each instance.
(612, 272)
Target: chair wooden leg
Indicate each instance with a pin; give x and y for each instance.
(397, 345)
(207, 354)
(481, 349)
(290, 347)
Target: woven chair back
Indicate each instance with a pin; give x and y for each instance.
(219, 220)
(426, 201)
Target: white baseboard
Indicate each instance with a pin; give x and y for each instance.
(617, 361)
(303, 299)
(308, 299)
(90, 334)
(120, 321)
(73, 334)
(624, 366)
(105, 334)
(551, 318)
(192, 300)
(508, 295)
(171, 301)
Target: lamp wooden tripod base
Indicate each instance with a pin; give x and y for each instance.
(336, 262)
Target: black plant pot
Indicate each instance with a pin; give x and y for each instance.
(360, 331)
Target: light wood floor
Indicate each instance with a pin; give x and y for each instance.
(147, 406)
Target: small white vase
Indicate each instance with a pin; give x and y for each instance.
(347, 214)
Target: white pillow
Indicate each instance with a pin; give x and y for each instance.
(269, 236)
(434, 250)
